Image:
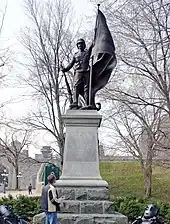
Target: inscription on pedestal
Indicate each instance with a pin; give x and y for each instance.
(79, 145)
(81, 156)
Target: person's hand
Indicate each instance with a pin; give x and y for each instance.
(61, 199)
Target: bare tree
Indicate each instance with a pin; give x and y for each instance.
(137, 128)
(139, 89)
(141, 30)
(12, 146)
(49, 41)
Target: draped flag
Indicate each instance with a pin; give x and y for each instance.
(103, 53)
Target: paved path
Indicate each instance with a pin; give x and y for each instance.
(16, 193)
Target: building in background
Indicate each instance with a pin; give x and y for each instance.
(28, 168)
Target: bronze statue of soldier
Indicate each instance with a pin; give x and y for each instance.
(88, 80)
(80, 62)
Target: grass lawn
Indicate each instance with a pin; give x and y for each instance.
(126, 178)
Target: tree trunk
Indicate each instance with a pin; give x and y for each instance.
(148, 180)
(16, 178)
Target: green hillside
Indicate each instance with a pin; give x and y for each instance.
(126, 178)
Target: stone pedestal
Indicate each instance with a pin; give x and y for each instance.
(81, 152)
(86, 193)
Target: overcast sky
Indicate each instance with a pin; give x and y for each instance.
(15, 16)
(15, 19)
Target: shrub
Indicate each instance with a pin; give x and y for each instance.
(133, 207)
(23, 205)
(130, 206)
(26, 206)
(164, 209)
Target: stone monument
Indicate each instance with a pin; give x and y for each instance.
(86, 193)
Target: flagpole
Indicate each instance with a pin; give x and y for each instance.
(91, 67)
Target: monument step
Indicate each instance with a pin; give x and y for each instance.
(84, 193)
(67, 218)
(86, 207)
(92, 218)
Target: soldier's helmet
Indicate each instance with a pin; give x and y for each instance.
(81, 40)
